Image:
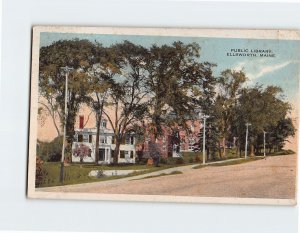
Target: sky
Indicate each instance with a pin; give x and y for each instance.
(282, 68)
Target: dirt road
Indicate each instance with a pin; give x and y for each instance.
(270, 178)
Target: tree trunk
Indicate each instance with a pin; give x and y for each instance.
(116, 151)
(97, 138)
(237, 151)
(252, 150)
(220, 152)
(207, 154)
(224, 147)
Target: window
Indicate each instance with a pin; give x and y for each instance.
(122, 154)
(131, 154)
(126, 154)
(129, 140)
(101, 154)
(80, 138)
(103, 139)
(85, 138)
(90, 138)
(104, 124)
(113, 140)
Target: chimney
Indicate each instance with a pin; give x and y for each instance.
(81, 120)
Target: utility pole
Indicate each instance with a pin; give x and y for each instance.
(265, 144)
(246, 145)
(204, 125)
(61, 178)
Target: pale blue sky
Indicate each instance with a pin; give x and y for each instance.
(281, 70)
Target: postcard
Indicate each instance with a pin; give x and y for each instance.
(164, 115)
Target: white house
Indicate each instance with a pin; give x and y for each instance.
(84, 146)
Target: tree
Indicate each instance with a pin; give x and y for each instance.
(278, 134)
(205, 99)
(127, 101)
(40, 172)
(49, 107)
(50, 151)
(175, 82)
(171, 77)
(76, 55)
(82, 151)
(263, 108)
(101, 81)
(229, 86)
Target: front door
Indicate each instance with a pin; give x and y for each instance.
(101, 154)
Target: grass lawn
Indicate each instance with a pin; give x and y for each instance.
(77, 174)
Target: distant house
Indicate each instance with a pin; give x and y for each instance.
(172, 145)
(166, 145)
(84, 145)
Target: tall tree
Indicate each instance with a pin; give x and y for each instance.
(77, 55)
(278, 135)
(127, 101)
(173, 81)
(205, 99)
(263, 108)
(229, 86)
(101, 79)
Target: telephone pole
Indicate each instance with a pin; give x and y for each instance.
(203, 150)
(246, 145)
(62, 169)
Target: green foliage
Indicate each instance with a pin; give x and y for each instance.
(77, 173)
(50, 151)
(40, 172)
(165, 86)
(229, 85)
(173, 71)
(265, 109)
(206, 102)
(77, 56)
(179, 161)
(163, 160)
(278, 134)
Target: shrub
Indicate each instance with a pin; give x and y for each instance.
(191, 160)
(163, 160)
(143, 161)
(197, 159)
(179, 161)
(40, 172)
(50, 151)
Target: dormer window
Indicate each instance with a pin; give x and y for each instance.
(104, 124)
